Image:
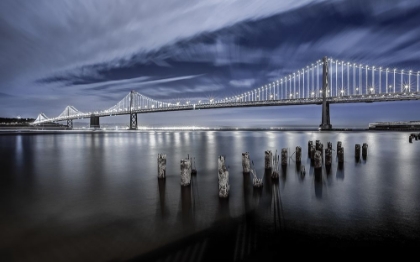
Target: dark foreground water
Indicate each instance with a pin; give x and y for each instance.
(95, 196)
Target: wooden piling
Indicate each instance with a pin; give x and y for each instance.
(298, 155)
(364, 150)
(275, 173)
(268, 156)
(246, 163)
(223, 175)
(284, 157)
(339, 145)
(321, 149)
(318, 162)
(161, 159)
(357, 152)
(312, 156)
(328, 158)
(310, 144)
(340, 154)
(185, 172)
(317, 145)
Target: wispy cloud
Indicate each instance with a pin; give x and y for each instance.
(242, 83)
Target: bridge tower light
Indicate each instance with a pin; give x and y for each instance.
(409, 78)
(418, 74)
(402, 76)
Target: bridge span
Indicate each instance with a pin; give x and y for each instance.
(352, 83)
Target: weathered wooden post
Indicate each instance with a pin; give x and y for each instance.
(268, 156)
(410, 139)
(310, 144)
(318, 162)
(329, 145)
(321, 149)
(161, 159)
(275, 173)
(339, 145)
(298, 155)
(185, 172)
(276, 159)
(328, 158)
(284, 157)
(312, 155)
(317, 145)
(340, 155)
(223, 175)
(246, 163)
(357, 152)
(364, 150)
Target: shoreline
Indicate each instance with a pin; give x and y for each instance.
(26, 130)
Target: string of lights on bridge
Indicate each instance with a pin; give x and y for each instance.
(346, 80)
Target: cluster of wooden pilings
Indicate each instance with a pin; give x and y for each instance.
(357, 150)
(272, 163)
(187, 167)
(318, 156)
(413, 136)
(282, 160)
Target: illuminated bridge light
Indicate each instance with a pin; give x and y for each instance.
(270, 94)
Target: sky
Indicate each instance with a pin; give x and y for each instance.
(91, 53)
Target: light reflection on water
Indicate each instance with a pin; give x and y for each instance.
(80, 184)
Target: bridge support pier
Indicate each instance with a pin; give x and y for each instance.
(325, 124)
(133, 121)
(94, 121)
(70, 123)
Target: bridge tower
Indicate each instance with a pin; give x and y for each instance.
(69, 121)
(325, 124)
(133, 116)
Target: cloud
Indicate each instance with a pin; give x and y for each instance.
(242, 82)
(46, 37)
(89, 50)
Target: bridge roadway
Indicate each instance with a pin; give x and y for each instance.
(283, 102)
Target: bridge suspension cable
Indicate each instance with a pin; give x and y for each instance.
(135, 101)
(40, 118)
(70, 111)
(347, 81)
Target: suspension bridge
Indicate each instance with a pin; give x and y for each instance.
(325, 82)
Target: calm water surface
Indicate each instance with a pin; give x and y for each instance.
(95, 196)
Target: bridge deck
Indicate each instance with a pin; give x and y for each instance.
(283, 102)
